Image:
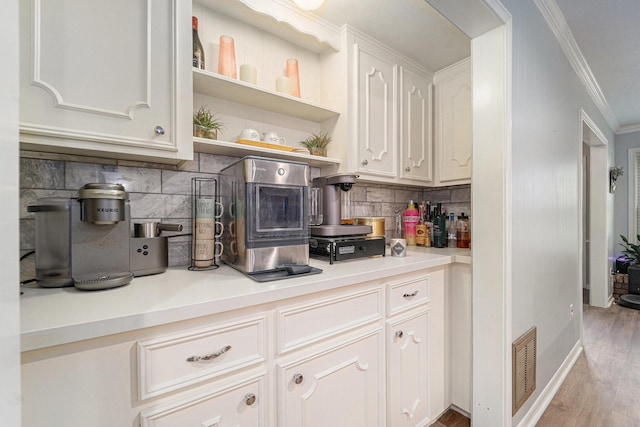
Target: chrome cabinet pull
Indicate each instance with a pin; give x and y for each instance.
(365, 162)
(220, 352)
(298, 378)
(399, 334)
(249, 399)
(159, 130)
(407, 169)
(411, 295)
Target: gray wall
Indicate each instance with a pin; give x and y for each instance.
(160, 192)
(546, 159)
(621, 221)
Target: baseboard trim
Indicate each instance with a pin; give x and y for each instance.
(542, 402)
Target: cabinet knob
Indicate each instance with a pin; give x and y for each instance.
(365, 162)
(298, 378)
(399, 334)
(249, 399)
(407, 169)
(159, 130)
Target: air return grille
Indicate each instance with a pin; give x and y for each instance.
(524, 368)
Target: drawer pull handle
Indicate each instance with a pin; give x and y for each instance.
(298, 378)
(411, 295)
(249, 399)
(399, 334)
(159, 130)
(407, 169)
(220, 352)
(365, 162)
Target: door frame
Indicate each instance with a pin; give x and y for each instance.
(598, 279)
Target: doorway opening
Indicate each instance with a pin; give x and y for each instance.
(594, 260)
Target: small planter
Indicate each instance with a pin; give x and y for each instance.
(318, 152)
(204, 132)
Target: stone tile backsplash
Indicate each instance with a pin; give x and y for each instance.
(160, 192)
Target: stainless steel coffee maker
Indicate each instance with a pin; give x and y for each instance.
(84, 242)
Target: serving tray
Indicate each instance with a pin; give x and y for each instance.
(264, 145)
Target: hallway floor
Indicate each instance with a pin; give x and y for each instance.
(603, 386)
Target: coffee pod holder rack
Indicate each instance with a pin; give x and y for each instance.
(205, 216)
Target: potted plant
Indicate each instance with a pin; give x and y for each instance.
(205, 124)
(631, 251)
(317, 144)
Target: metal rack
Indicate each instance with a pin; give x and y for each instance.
(206, 211)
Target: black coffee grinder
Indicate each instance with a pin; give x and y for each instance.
(332, 238)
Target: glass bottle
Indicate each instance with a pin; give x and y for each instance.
(198, 51)
(463, 236)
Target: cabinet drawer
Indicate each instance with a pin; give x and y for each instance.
(304, 324)
(407, 294)
(241, 403)
(172, 362)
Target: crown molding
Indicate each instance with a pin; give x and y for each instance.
(558, 25)
(628, 129)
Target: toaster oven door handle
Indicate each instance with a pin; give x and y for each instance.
(211, 356)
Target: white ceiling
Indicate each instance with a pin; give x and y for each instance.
(411, 27)
(608, 35)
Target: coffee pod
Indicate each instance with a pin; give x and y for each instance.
(398, 247)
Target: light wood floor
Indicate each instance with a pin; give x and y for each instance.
(603, 387)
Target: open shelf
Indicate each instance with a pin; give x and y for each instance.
(219, 86)
(233, 149)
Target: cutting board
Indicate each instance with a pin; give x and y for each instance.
(264, 145)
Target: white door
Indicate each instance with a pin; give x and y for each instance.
(376, 109)
(415, 126)
(340, 386)
(407, 373)
(102, 73)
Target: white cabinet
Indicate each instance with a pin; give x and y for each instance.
(375, 111)
(339, 385)
(370, 354)
(392, 125)
(107, 78)
(416, 146)
(453, 125)
(407, 372)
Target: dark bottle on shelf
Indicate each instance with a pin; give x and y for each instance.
(439, 228)
(198, 51)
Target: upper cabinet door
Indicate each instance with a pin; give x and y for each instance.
(376, 112)
(106, 76)
(415, 126)
(453, 124)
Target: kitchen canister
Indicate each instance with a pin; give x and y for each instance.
(376, 223)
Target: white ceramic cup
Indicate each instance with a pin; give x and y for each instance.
(273, 138)
(250, 134)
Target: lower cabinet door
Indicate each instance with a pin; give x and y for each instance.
(340, 385)
(236, 404)
(407, 370)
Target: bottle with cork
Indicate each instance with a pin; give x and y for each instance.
(421, 227)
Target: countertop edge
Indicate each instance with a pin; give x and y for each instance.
(40, 336)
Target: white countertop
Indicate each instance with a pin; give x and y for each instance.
(63, 315)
